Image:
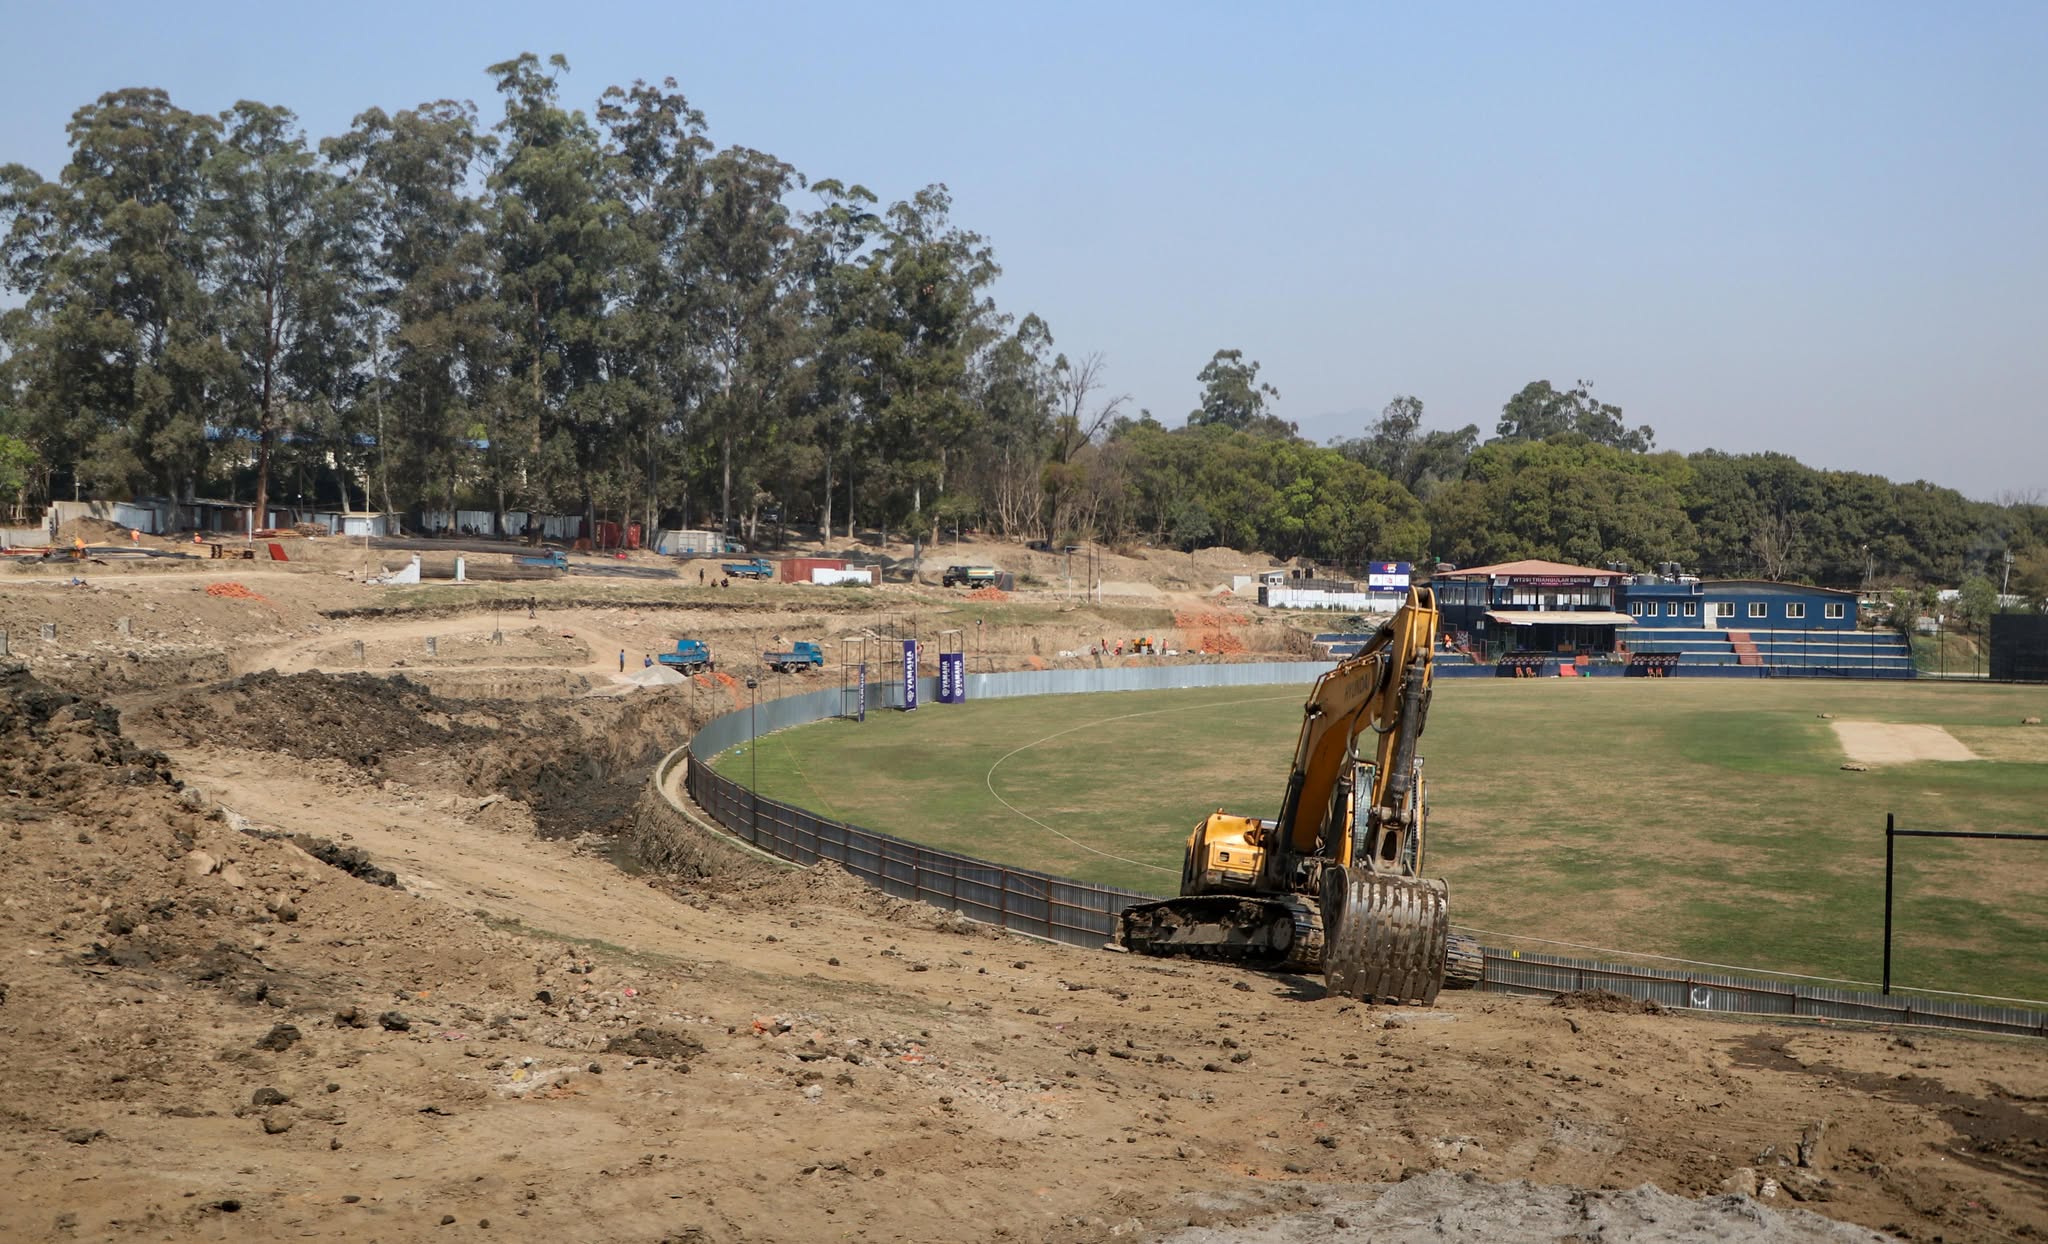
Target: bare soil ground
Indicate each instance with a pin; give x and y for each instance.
(213, 1032)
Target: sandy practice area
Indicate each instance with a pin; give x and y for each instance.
(1890, 743)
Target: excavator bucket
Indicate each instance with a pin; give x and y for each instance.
(1387, 938)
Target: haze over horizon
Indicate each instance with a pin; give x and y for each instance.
(1812, 230)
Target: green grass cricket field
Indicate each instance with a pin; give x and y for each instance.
(1703, 819)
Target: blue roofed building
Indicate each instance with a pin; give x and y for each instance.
(1758, 626)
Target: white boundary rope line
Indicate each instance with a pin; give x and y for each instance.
(1727, 967)
(989, 779)
(803, 775)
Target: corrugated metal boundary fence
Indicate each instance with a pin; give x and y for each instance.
(1082, 913)
(1750, 995)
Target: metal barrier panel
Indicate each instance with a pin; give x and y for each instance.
(978, 891)
(1030, 907)
(1706, 991)
(899, 869)
(1088, 910)
(1082, 913)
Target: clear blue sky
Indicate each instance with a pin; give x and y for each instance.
(1816, 228)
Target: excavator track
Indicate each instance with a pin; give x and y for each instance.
(1465, 963)
(1388, 955)
(1389, 936)
(1279, 932)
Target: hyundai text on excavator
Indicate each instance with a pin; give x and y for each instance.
(1334, 882)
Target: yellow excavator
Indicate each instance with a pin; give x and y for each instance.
(1333, 884)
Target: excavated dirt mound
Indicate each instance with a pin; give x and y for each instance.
(578, 764)
(1220, 641)
(210, 1032)
(827, 884)
(56, 740)
(354, 718)
(1607, 1001)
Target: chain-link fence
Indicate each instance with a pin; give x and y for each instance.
(1082, 913)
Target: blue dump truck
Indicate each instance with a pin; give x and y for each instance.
(691, 656)
(553, 559)
(802, 655)
(759, 568)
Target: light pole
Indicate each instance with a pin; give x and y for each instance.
(754, 760)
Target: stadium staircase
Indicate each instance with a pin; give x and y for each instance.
(1815, 653)
(1745, 648)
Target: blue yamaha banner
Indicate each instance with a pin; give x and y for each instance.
(952, 678)
(863, 692)
(909, 674)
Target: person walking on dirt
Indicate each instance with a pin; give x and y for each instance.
(646, 662)
(530, 603)
(622, 660)
(700, 576)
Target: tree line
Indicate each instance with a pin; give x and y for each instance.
(604, 312)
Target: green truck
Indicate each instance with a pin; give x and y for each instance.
(970, 576)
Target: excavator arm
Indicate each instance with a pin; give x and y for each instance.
(1382, 689)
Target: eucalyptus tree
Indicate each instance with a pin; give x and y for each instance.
(1017, 383)
(746, 278)
(434, 338)
(1234, 397)
(1421, 461)
(287, 279)
(931, 315)
(18, 460)
(842, 291)
(563, 248)
(657, 150)
(1539, 411)
(118, 360)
